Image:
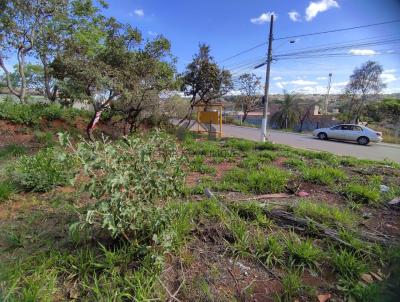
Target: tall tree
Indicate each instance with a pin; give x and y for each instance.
(203, 80)
(286, 116)
(249, 99)
(365, 81)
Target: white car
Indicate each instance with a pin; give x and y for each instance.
(349, 132)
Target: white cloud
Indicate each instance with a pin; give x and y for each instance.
(321, 78)
(362, 52)
(264, 18)
(388, 76)
(277, 78)
(294, 16)
(318, 7)
(152, 33)
(139, 12)
(280, 85)
(303, 82)
(339, 84)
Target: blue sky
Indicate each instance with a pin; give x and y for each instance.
(230, 26)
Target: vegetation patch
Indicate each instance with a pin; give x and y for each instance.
(361, 193)
(323, 175)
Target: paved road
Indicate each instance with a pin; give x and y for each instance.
(373, 151)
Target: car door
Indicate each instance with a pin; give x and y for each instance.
(355, 133)
(335, 132)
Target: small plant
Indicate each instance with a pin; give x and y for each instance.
(323, 175)
(44, 171)
(44, 138)
(292, 286)
(240, 144)
(361, 193)
(127, 178)
(324, 213)
(347, 264)
(6, 189)
(269, 249)
(252, 212)
(197, 165)
(302, 252)
(295, 163)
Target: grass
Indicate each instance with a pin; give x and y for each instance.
(323, 175)
(302, 253)
(348, 264)
(324, 213)
(359, 193)
(292, 286)
(197, 165)
(265, 180)
(12, 150)
(252, 212)
(269, 249)
(6, 189)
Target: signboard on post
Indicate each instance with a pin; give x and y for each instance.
(207, 116)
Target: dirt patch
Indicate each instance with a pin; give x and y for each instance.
(279, 162)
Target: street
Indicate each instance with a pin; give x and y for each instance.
(372, 151)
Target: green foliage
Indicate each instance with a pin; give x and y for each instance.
(32, 114)
(251, 211)
(43, 171)
(269, 249)
(295, 163)
(206, 148)
(44, 138)
(240, 144)
(265, 180)
(292, 285)
(12, 150)
(361, 193)
(301, 252)
(197, 165)
(323, 175)
(349, 265)
(326, 214)
(6, 189)
(127, 177)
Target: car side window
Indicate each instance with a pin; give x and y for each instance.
(357, 128)
(346, 127)
(336, 128)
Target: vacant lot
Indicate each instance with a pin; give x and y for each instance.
(175, 217)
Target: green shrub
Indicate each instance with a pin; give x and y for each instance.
(361, 193)
(12, 150)
(265, 180)
(324, 213)
(44, 171)
(127, 178)
(323, 175)
(6, 189)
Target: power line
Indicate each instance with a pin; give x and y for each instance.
(337, 30)
(305, 35)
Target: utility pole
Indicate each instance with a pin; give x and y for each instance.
(327, 94)
(264, 122)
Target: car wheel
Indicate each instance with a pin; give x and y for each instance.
(363, 140)
(322, 135)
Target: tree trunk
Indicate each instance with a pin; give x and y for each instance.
(21, 70)
(245, 113)
(51, 93)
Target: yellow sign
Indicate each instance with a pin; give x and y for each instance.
(209, 117)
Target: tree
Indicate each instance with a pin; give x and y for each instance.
(33, 74)
(20, 23)
(287, 114)
(364, 81)
(203, 80)
(249, 99)
(304, 110)
(39, 28)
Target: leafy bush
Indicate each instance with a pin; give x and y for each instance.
(44, 171)
(32, 114)
(6, 189)
(265, 180)
(127, 177)
(361, 193)
(323, 175)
